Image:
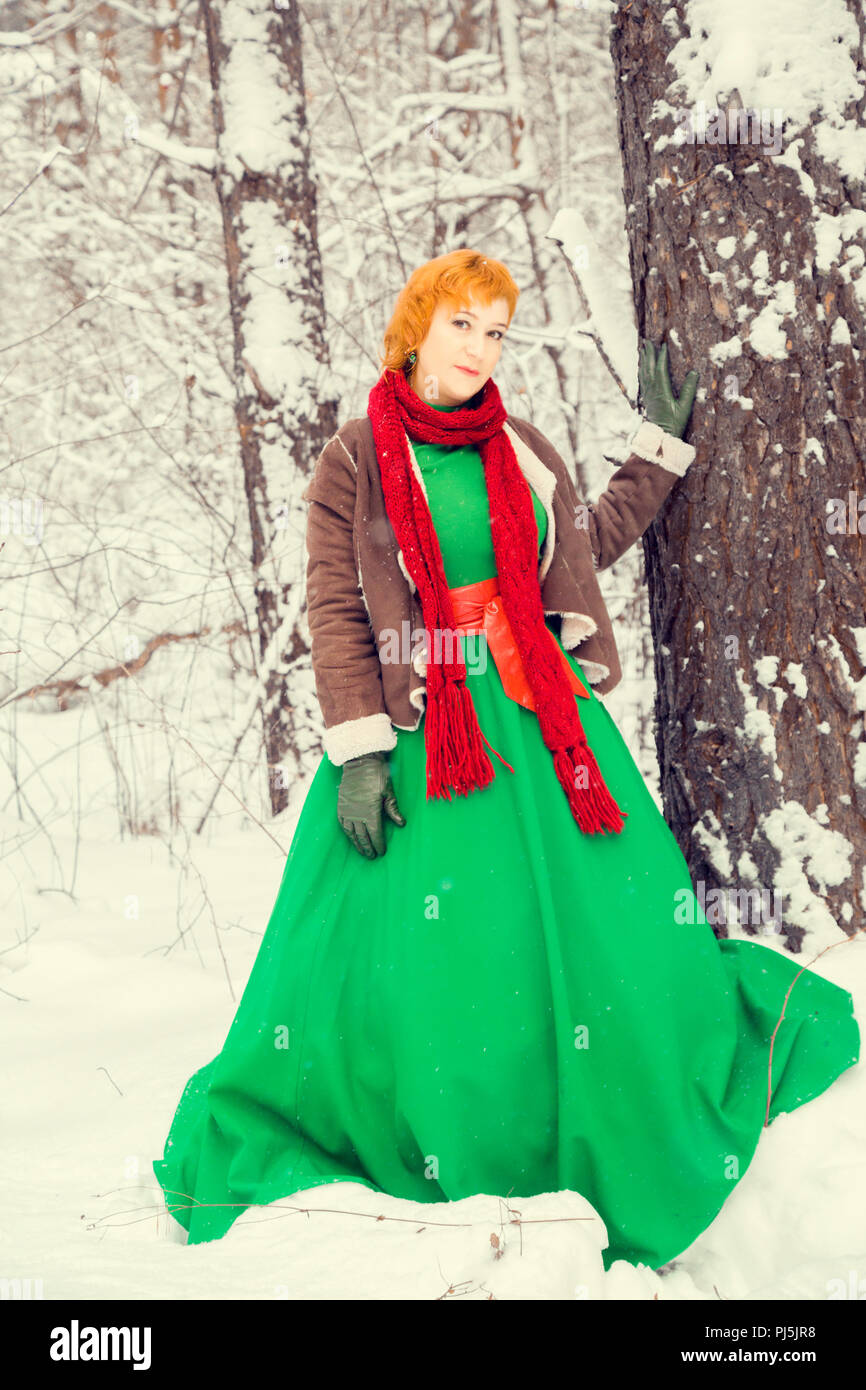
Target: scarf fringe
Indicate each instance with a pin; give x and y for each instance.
(455, 752)
(593, 807)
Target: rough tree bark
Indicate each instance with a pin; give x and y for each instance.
(751, 268)
(284, 403)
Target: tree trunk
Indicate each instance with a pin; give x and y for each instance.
(285, 407)
(751, 270)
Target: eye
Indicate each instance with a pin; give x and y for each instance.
(497, 331)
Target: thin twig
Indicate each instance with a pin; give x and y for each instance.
(847, 941)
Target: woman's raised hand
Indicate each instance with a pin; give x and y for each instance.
(661, 406)
(365, 787)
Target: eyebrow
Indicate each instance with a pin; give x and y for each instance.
(475, 316)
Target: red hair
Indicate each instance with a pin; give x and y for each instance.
(455, 278)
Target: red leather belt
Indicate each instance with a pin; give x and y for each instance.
(479, 608)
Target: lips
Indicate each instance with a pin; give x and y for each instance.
(468, 370)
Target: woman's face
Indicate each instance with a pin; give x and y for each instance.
(460, 351)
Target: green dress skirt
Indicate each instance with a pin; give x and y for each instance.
(500, 1004)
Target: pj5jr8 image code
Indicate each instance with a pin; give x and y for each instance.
(779, 1334)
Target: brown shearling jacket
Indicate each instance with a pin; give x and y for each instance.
(365, 619)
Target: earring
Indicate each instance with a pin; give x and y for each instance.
(411, 359)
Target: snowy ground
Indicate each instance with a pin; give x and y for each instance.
(108, 1009)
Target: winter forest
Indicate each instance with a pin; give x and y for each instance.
(207, 209)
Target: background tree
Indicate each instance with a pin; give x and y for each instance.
(747, 256)
(285, 402)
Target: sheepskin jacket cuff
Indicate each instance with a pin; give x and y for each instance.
(373, 733)
(655, 445)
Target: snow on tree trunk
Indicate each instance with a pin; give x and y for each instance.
(284, 402)
(746, 238)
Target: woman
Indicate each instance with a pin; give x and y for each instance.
(479, 977)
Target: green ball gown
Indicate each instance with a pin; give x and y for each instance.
(500, 1004)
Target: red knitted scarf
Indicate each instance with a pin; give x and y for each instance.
(456, 755)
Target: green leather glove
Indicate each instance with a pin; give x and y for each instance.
(661, 406)
(365, 787)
